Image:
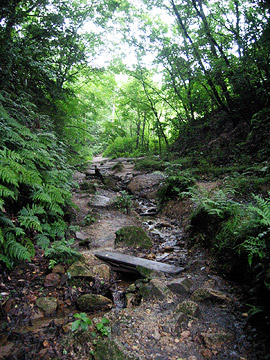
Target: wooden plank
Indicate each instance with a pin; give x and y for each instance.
(126, 263)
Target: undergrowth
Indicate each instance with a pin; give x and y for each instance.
(35, 186)
(237, 235)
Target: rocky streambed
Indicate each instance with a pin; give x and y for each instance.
(191, 314)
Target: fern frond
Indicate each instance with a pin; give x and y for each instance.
(28, 244)
(15, 249)
(28, 219)
(42, 241)
(1, 237)
(6, 221)
(5, 192)
(6, 260)
(8, 176)
(262, 210)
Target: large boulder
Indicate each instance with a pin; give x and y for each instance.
(146, 185)
(133, 236)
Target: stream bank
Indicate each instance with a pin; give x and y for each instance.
(193, 315)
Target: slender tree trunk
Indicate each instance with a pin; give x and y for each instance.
(198, 57)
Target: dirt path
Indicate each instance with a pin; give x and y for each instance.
(195, 315)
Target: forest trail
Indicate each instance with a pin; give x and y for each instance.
(193, 315)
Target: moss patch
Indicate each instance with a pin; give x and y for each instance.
(132, 236)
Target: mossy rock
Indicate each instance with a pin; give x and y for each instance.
(79, 269)
(89, 302)
(109, 349)
(47, 304)
(133, 236)
(88, 187)
(156, 289)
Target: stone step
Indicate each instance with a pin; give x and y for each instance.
(126, 263)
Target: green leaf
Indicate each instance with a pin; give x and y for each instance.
(105, 321)
(75, 325)
(84, 326)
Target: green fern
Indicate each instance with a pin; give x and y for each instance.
(28, 217)
(62, 251)
(14, 249)
(5, 192)
(42, 241)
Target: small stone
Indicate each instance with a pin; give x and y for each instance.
(188, 307)
(52, 279)
(59, 269)
(102, 272)
(156, 335)
(81, 236)
(204, 294)
(90, 302)
(47, 304)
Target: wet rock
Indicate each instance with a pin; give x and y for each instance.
(109, 349)
(155, 289)
(132, 236)
(205, 294)
(102, 271)
(180, 286)
(52, 279)
(47, 304)
(101, 201)
(79, 269)
(59, 269)
(188, 307)
(89, 302)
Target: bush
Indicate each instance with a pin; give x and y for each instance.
(150, 164)
(174, 186)
(121, 147)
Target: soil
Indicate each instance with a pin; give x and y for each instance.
(154, 326)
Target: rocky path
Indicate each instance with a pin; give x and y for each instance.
(193, 315)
